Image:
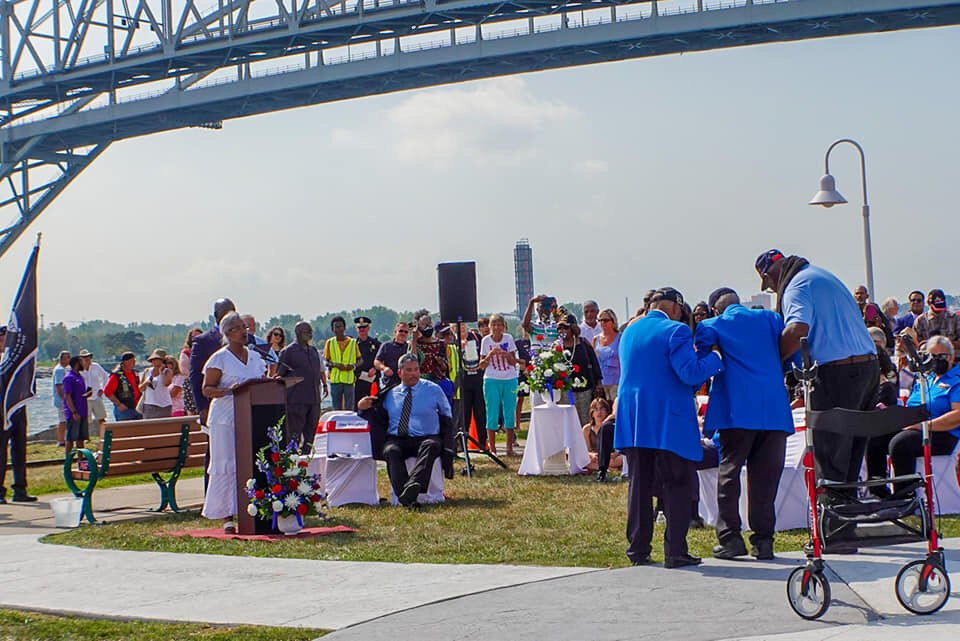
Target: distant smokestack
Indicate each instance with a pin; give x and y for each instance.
(523, 272)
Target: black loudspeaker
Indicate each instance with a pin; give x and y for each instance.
(458, 292)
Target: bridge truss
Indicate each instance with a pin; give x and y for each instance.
(76, 75)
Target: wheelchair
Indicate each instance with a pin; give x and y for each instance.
(922, 586)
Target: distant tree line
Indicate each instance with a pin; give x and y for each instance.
(107, 340)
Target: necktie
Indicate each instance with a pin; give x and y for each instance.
(403, 427)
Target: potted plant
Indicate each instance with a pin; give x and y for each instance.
(552, 372)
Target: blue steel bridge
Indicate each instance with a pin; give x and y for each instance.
(77, 75)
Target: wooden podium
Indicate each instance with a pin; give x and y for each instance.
(258, 405)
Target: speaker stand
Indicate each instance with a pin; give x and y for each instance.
(463, 435)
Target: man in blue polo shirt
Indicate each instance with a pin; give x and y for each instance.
(750, 409)
(414, 409)
(817, 305)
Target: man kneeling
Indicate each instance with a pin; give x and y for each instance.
(414, 410)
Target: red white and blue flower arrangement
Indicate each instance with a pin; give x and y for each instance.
(290, 491)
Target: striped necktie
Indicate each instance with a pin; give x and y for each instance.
(403, 427)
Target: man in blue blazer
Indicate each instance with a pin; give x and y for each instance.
(750, 409)
(656, 424)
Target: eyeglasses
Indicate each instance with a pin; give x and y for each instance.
(277, 334)
(403, 331)
(916, 300)
(606, 320)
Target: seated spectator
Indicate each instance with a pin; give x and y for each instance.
(600, 430)
(889, 386)
(938, 321)
(943, 403)
(891, 309)
(916, 310)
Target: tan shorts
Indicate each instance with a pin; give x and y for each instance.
(96, 409)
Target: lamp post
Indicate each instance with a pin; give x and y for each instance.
(828, 196)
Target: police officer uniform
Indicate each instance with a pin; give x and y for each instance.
(368, 352)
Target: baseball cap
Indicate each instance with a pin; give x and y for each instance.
(127, 356)
(667, 293)
(716, 294)
(937, 300)
(766, 260)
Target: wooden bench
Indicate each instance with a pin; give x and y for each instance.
(163, 446)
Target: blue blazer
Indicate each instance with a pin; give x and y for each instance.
(749, 393)
(201, 349)
(659, 372)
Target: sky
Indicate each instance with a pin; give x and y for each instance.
(624, 176)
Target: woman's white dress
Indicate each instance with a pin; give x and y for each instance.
(221, 499)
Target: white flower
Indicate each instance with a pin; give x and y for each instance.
(291, 471)
(277, 506)
(292, 501)
(252, 509)
(560, 367)
(251, 484)
(548, 373)
(544, 355)
(305, 489)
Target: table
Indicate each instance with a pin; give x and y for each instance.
(342, 456)
(553, 430)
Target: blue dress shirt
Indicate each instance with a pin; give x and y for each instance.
(429, 402)
(749, 393)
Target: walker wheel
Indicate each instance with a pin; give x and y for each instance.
(812, 600)
(932, 596)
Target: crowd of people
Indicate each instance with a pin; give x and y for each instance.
(635, 395)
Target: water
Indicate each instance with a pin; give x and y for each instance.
(41, 413)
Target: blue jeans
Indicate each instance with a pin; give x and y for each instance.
(341, 395)
(128, 414)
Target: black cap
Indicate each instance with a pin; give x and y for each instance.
(362, 321)
(716, 294)
(667, 293)
(937, 300)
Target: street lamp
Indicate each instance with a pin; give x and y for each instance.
(828, 196)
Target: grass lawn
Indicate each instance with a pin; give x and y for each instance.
(497, 517)
(29, 626)
(49, 478)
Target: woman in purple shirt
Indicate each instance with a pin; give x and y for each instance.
(607, 346)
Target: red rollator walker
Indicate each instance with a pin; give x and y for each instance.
(922, 586)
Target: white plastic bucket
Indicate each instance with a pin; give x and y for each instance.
(67, 512)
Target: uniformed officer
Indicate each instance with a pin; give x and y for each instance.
(656, 424)
(750, 408)
(368, 347)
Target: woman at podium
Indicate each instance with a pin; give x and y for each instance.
(229, 367)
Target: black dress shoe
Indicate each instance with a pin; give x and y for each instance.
(730, 550)
(602, 476)
(762, 550)
(696, 523)
(409, 494)
(672, 562)
(24, 498)
(644, 561)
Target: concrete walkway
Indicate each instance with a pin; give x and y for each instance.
(370, 601)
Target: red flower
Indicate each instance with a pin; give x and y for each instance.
(576, 368)
(275, 457)
(557, 348)
(293, 484)
(562, 374)
(529, 368)
(303, 463)
(315, 498)
(558, 385)
(259, 494)
(540, 337)
(276, 489)
(302, 509)
(278, 471)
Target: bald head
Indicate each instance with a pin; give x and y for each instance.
(725, 301)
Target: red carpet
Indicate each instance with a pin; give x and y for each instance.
(218, 533)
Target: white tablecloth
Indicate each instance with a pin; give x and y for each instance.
(553, 429)
(351, 480)
(790, 504)
(434, 493)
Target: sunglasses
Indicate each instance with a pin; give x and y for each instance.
(916, 300)
(606, 320)
(403, 331)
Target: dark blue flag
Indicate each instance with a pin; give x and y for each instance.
(20, 344)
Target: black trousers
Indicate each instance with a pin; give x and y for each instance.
(904, 447)
(763, 453)
(605, 449)
(14, 439)
(398, 449)
(360, 389)
(854, 386)
(301, 424)
(669, 476)
(471, 395)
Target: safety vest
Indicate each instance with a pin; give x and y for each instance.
(454, 359)
(348, 356)
(126, 393)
